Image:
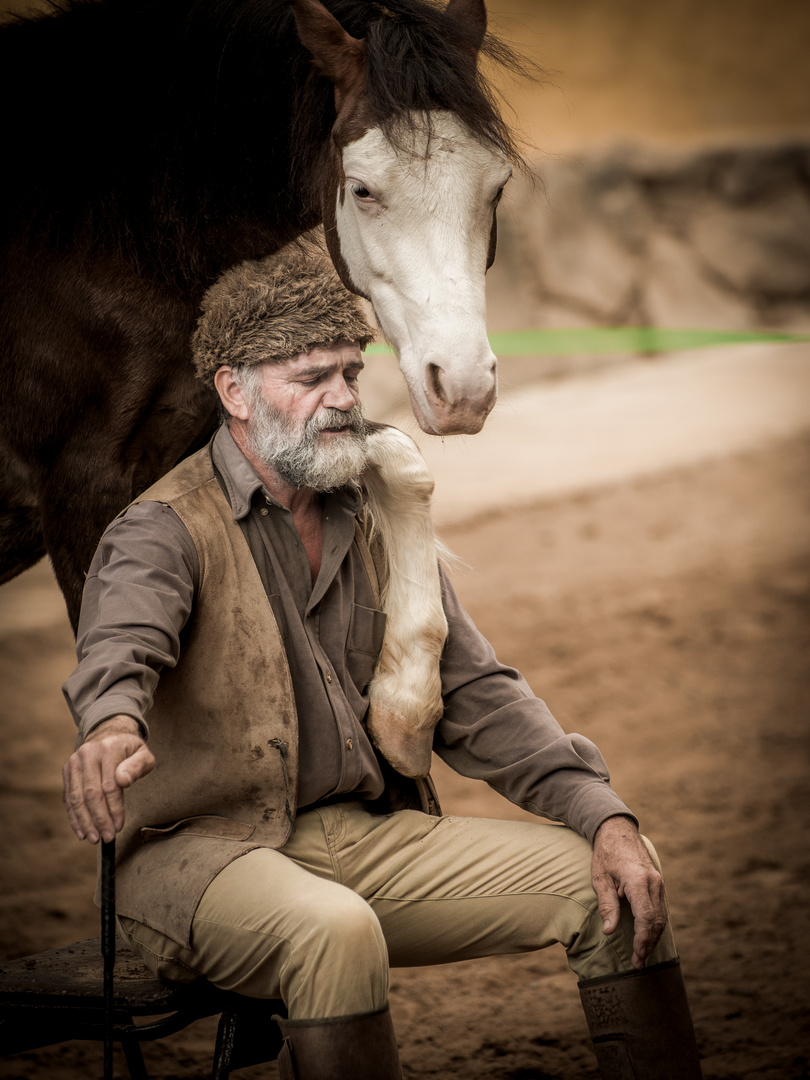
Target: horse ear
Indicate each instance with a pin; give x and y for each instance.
(474, 14)
(336, 54)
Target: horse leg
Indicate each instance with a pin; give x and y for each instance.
(405, 706)
(21, 541)
(65, 529)
(80, 498)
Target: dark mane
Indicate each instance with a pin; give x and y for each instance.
(418, 58)
(417, 61)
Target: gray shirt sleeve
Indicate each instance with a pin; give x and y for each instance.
(137, 598)
(495, 729)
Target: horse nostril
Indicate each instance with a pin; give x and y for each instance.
(435, 375)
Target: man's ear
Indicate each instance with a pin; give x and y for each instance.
(231, 394)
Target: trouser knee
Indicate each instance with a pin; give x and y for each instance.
(339, 964)
(342, 932)
(314, 943)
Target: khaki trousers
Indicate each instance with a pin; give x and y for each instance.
(318, 922)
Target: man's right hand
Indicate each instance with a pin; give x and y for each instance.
(112, 757)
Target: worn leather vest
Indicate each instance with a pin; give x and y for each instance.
(223, 726)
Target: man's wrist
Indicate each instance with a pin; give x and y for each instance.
(617, 825)
(121, 724)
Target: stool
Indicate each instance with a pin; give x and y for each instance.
(96, 989)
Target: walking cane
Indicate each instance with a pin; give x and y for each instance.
(108, 948)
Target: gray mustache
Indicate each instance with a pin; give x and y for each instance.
(332, 419)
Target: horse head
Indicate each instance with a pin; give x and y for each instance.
(408, 202)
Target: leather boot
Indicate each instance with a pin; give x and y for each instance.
(641, 1026)
(359, 1047)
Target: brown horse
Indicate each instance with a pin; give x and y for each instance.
(153, 143)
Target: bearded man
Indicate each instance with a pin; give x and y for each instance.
(231, 628)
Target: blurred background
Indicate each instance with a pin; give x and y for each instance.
(673, 140)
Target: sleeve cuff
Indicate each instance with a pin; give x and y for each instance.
(106, 710)
(592, 801)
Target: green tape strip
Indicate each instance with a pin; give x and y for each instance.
(615, 339)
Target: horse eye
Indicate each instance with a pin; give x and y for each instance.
(360, 192)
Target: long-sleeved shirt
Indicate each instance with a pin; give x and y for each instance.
(140, 593)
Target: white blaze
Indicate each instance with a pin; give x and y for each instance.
(414, 224)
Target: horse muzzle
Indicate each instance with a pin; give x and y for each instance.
(448, 406)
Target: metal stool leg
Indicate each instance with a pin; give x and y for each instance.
(134, 1059)
(226, 1038)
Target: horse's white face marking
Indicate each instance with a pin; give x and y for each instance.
(414, 225)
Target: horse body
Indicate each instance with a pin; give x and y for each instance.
(178, 138)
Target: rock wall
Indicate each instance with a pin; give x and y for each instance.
(634, 236)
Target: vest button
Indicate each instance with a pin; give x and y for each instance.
(264, 511)
(349, 744)
(328, 677)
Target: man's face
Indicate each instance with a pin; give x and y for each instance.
(305, 420)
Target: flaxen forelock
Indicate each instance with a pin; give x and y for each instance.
(271, 309)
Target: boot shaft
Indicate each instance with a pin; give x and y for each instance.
(344, 1048)
(641, 1026)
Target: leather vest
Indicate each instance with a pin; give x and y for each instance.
(223, 726)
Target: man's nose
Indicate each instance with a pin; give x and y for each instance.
(340, 395)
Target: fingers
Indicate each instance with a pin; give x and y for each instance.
(93, 781)
(649, 908)
(90, 794)
(85, 803)
(607, 898)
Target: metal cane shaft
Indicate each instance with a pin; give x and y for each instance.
(108, 948)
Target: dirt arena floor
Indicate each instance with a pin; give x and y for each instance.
(665, 618)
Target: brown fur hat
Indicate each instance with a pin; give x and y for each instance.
(270, 310)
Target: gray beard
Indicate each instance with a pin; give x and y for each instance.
(296, 454)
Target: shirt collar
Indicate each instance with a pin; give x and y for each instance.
(242, 482)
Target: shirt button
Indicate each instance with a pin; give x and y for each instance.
(264, 511)
(349, 744)
(328, 677)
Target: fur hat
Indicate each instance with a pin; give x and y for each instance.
(270, 310)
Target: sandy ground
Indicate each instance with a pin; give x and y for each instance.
(665, 615)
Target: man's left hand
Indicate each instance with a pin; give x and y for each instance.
(622, 868)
